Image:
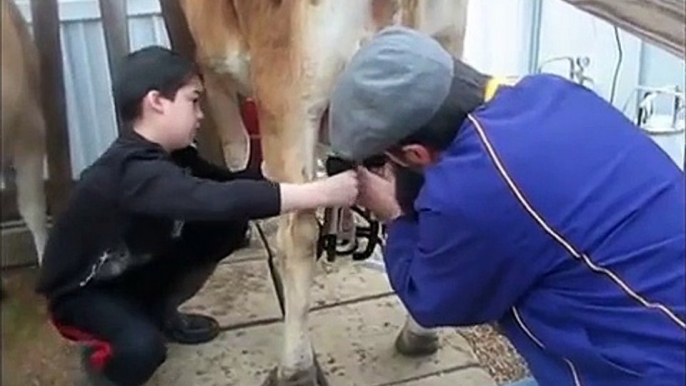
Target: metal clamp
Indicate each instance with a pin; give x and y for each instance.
(577, 68)
(328, 241)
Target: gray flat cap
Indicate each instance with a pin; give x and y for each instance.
(392, 86)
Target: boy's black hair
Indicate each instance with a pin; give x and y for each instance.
(147, 69)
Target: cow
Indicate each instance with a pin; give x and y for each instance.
(286, 55)
(23, 122)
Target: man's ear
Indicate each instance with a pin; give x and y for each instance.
(418, 155)
(153, 100)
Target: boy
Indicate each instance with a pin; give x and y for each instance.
(148, 222)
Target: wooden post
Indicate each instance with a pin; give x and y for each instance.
(660, 22)
(115, 25)
(177, 28)
(46, 27)
(209, 144)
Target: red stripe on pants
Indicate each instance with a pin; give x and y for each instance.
(102, 350)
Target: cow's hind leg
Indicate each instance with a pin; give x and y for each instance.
(298, 238)
(415, 340)
(29, 153)
(297, 233)
(289, 143)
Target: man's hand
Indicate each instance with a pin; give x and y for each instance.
(378, 195)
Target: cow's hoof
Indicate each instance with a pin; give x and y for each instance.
(302, 378)
(411, 344)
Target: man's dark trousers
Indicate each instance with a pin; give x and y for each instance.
(122, 321)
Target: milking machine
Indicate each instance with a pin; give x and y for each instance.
(336, 220)
(367, 232)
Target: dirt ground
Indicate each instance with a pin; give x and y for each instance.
(33, 353)
(495, 354)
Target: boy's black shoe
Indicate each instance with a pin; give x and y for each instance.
(191, 328)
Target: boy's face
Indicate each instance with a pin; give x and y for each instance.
(181, 117)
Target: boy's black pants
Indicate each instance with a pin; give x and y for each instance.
(123, 318)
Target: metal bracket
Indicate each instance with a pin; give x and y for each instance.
(577, 68)
(328, 241)
(330, 229)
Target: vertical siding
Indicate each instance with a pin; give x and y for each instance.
(90, 108)
(147, 30)
(498, 37)
(510, 38)
(89, 105)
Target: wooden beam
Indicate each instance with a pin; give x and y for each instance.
(8, 199)
(209, 144)
(46, 29)
(177, 28)
(660, 22)
(16, 247)
(115, 25)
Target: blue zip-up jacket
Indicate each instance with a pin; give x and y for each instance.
(552, 214)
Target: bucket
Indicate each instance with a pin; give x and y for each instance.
(667, 130)
(670, 138)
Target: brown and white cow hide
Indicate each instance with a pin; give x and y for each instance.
(287, 54)
(23, 123)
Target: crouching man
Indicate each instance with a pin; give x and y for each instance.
(536, 205)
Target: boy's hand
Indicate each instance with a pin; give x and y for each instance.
(341, 189)
(378, 195)
(335, 191)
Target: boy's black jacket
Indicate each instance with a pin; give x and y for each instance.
(130, 200)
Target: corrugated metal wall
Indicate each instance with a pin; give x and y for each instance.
(507, 37)
(90, 109)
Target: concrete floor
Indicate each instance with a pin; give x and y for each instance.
(354, 321)
(353, 324)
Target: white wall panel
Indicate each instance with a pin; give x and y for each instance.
(498, 36)
(567, 31)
